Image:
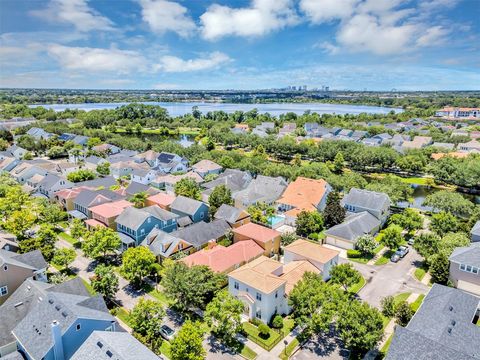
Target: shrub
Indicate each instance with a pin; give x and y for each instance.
(264, 331)
(388, 306)
(354, 254)
(255, 321)
(277, 322)
(403, 313)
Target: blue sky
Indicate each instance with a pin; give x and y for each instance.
(240, 44)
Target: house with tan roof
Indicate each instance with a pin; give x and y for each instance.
(303, 195)
(65, 197)
(417, 142)
(263, 285)
(223, 259)
(206, 167)
(168, 181)
(471, 146)
(453, 154)
(267, 238)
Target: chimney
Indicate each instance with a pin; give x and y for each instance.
(57, 341)
(211, 244)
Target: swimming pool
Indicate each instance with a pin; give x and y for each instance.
(276, 220)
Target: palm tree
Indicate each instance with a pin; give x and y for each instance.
(139, 199)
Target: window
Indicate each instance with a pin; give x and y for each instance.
(276, 294)
(469, 268)
(259, 296)
(3, 290)
(78, 327)
(5, 268)
(258, 314)
(236, 285)
(462, 267)
(201, 215)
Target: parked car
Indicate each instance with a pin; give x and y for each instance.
(411, 241)
(395, 258)
(402, 251)
(167, 332)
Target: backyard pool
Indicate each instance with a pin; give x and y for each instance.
(275, 221)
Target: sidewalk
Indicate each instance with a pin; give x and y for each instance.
(278, 349)
(377, 256)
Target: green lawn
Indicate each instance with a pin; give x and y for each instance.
(288, 325)
(385, 320)
(254, 335)
(160, 296)
(290, 347)
(68, 238)
(248, 353)
(385, 258)
(401, 297)
(385, 347)
(356, 287)
(165, 349)
(122, 314)
(415, 180)
(366, 259)
(89, 287)
(420, 273)
(416, 304)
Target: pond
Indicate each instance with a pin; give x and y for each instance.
(275, 109)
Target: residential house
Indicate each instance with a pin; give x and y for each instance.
(24, 300)
(106, 214)
(263, 285)
(127, 168)
(187, 240)
(418, 142)
(16, 151)
(460, 132)
(376, 203)
(51, 183)
(267, 238)
(223, 259)
(263, 189)
(108, 149)
(150, 157)
(39, 134)
(161, 199)
(15, 268)
(382, 137)
(85, 200)
(346, 234)
(65, 197)
(196, 210)
(8, 163)
(108, 345)
(321, 257)
(287, 129)
(471, 146)
(445, 146)
(171, 163)
(457, 112)
(358, 135)
(24, 171)
(91, 162)
(207, 167)
(443, 328)
(104, 182)
(233, 216)
(133, 224)
(303, 194)
(80, 140)
(168, 181)
(235, 180)
(8, 242)
(465, 268)
(59, 324)
(66, 137)
(143, 176)
(64, 167)
(475, 232)
(454, 154)
(135, 188)
(371, 142)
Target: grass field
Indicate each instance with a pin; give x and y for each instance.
(385, 258)
(254, 335)
(420, 273)
(416, 304)
(366, 259)
(165, 349)
(401, 297)
(285, 355)
(68, 238)
(356, 287)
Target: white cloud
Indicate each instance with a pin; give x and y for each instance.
(176, 64)
(163, 16)
(262, 17)
(75, 12)
(96, 59)
(433, 36)
(325, 10)
(328, 47)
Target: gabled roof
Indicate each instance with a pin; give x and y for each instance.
(262, 189)
(293, 272)
(132, 217)
(221, 258)
(468, 255)
(476, 229)
(33, 260)
(136, 187)
(256, 232)
(88, 198)
(162, 199)
(112, 209)
(233, 179)
(186, 205)
(205, 166)
(366, 199)
(51, 180)
(34, 330)
(258, 274)
(354, 226)
(108, 345)
(230, 213)
(313, 251)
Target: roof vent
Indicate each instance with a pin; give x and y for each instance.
(99, 344)
(449, 330)
(50, 301)
(58, 307)
(109, 353)
(64, 314)
(18, 304)
(453, 322)
(450, 308)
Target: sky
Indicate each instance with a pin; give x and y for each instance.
(240, 44)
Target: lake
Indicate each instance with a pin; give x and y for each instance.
(275, 109)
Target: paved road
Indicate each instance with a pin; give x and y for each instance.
(323, 347)
(390, 279)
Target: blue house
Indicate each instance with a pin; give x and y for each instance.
(196, 210)
(59, 324)
(133, 224)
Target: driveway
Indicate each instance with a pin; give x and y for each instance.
(322, 347)
(390, 279)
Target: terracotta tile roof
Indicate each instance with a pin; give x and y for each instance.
(293, 273)
(221, 258)
(258, 274)
(94, 223)
(304, 194)
(312, 251)
(256, 232)
(111, 209)
(70, 193)
(162, 199)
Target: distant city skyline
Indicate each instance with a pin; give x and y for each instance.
(378, 45)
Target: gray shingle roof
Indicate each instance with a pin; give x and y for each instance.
(135, 188)
(51, 179)
(107, 345)
(354, 226)
(186, 205)
(33, 259)
(442, 328)
(85, 198)
(34, 330)
(228, 213)
(469, 255)
(366, 199)
(105, 182)
(262, 189)
(132, 217)
(476, 229)
(233, 179)
(26, 297)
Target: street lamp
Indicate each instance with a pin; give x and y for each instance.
(285, 342)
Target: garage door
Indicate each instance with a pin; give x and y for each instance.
(471, 288)
(339, 243)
